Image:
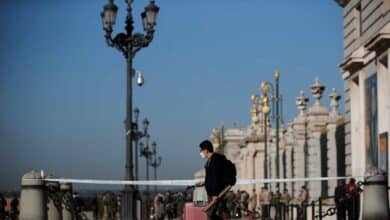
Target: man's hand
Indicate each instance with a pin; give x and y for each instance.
(214, 198)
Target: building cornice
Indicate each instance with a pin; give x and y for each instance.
(352, 63)
(379, 43)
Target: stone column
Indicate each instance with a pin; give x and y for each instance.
(251, 165)
(67, 207)
(317, 118)
(332, 149)
(299, 130)
(53, 195)
(259, 163)
(242, 168)
(289, 141)
(32, 198)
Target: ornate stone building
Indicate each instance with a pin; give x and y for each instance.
(311, 145)
(366, 73)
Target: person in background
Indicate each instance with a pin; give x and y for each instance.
(264, 201)
(302, 199)
(285, 200)
(78, 205)
(159, 207)
(3, 203)
(14, 208)
(339, 199)
(353, 199)
(252, 204)
(94, 207)
(180, 205)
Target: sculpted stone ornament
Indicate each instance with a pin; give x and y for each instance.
(317, 89)
(301, 103)
(334, 97)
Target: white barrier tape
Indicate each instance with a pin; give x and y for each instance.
(189, 182)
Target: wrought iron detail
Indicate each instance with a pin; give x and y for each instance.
(54, 195)
(67, 200)
(329, 212)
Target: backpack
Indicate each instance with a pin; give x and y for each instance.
(229, 173)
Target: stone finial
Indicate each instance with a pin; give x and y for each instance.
(334, 97)
(301, 102)
(317, 89)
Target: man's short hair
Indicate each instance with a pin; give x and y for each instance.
(206, 144)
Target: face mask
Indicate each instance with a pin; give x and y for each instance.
(202, 155)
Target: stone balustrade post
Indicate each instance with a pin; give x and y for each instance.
(375, 198)
(32, 198)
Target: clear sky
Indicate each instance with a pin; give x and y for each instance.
(62, 90)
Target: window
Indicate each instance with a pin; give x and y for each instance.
(371, 125)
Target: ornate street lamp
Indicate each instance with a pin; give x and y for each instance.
(276, 98)
(147, 153)
(265, 109)
(129, 43)
(155, 163)
(138, 135)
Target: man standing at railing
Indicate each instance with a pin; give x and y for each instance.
(340, 199)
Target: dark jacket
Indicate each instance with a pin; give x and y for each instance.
(339, 194)
(214, 174)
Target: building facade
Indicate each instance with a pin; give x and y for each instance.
(311, 145)
(366, 75)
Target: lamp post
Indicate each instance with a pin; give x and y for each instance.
(265, 86)
(155, 163)
(138, 134)
(265, 109)
(277, 118)
(129, 44)
(147, 153)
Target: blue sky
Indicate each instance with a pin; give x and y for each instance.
(62, 90)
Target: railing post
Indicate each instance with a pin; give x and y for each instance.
(54, 209)
(313, 211)
(320, 208)
(375, 198)
(32, 197)
(67, 201)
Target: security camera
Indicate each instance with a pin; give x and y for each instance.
(140, 78)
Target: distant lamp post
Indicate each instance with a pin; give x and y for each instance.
(265, 109)
(138, 135)
(147, 153)
(129, 44)
(155, 163)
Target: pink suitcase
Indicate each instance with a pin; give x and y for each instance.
(193, 212)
